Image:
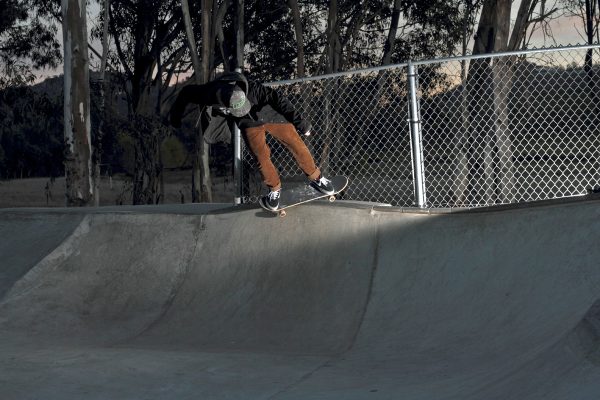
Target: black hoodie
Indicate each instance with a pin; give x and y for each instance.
(214, 118)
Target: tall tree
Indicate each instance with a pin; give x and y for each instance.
(390, 43)
(488, 175)
(295, 9)
(592, 34)
(463, 150)
(223, 50)
(238, 27)
(588, 11)
(150, 47)
(102, 86)
(78, 157)
(333, 46)
(208, 49)
(486, 90)
(201, 180)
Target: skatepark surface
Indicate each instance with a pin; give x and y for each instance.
(334, 301)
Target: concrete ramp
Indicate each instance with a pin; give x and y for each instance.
(333, 301)
(26, 239)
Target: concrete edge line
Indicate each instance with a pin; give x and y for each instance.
(182, 278)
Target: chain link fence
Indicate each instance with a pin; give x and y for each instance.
(476, 131)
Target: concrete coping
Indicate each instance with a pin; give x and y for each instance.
(208, 208)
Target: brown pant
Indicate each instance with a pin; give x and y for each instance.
(285, 134)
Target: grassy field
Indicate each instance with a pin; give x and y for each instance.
(41, 192)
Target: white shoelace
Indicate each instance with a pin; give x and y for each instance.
(324, 181)
(274, 195)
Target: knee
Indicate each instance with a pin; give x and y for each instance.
(260, 149)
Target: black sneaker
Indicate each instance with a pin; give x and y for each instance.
(271, 200)
(323, 185)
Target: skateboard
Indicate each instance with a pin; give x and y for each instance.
(289, 199)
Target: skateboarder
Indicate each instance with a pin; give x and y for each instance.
(231, 97)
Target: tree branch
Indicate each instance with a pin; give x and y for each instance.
(120, 53)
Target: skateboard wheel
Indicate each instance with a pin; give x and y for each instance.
(332, 198)
(282, 213)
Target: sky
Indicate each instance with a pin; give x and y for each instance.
(565, 30)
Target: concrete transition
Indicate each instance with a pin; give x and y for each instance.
(335, 301)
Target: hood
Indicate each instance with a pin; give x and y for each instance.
(236, 77)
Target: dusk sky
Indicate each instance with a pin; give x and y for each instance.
(565, 31)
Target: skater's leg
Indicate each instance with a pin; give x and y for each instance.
(287, 135)
(256, 140)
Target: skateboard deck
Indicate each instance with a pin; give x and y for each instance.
(289, 199)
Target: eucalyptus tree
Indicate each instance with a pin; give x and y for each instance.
(77, 124)
(588, 13)
(298, 32)
(149, 49)
(484, 171)
(390, 42)
(201, 179)
(103, 83)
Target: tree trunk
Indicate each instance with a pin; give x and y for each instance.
(293, 5)
(201, 180)
(146, 182)
(521, 23)
(197, 156)
(349, 41)
(102, 83)
(488, 86)
(78, 157)
(460, 181)
(590, 13)
(207, 51)
(238, 23)
(332, 62)
(189, 32)
(331, 65)
(220, 36)
(148, 167)
(502, 72)
(592, 95)
(388, 48)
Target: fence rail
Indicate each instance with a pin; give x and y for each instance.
(456, 132)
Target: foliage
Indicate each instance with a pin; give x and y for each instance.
(173, 152)
(27, 41)
(30, 135)
(272, 47)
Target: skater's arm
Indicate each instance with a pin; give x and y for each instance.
(283, 106)
(197, 94)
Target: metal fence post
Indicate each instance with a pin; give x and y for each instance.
(237, 165)
(416, 139)
(237, 161)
